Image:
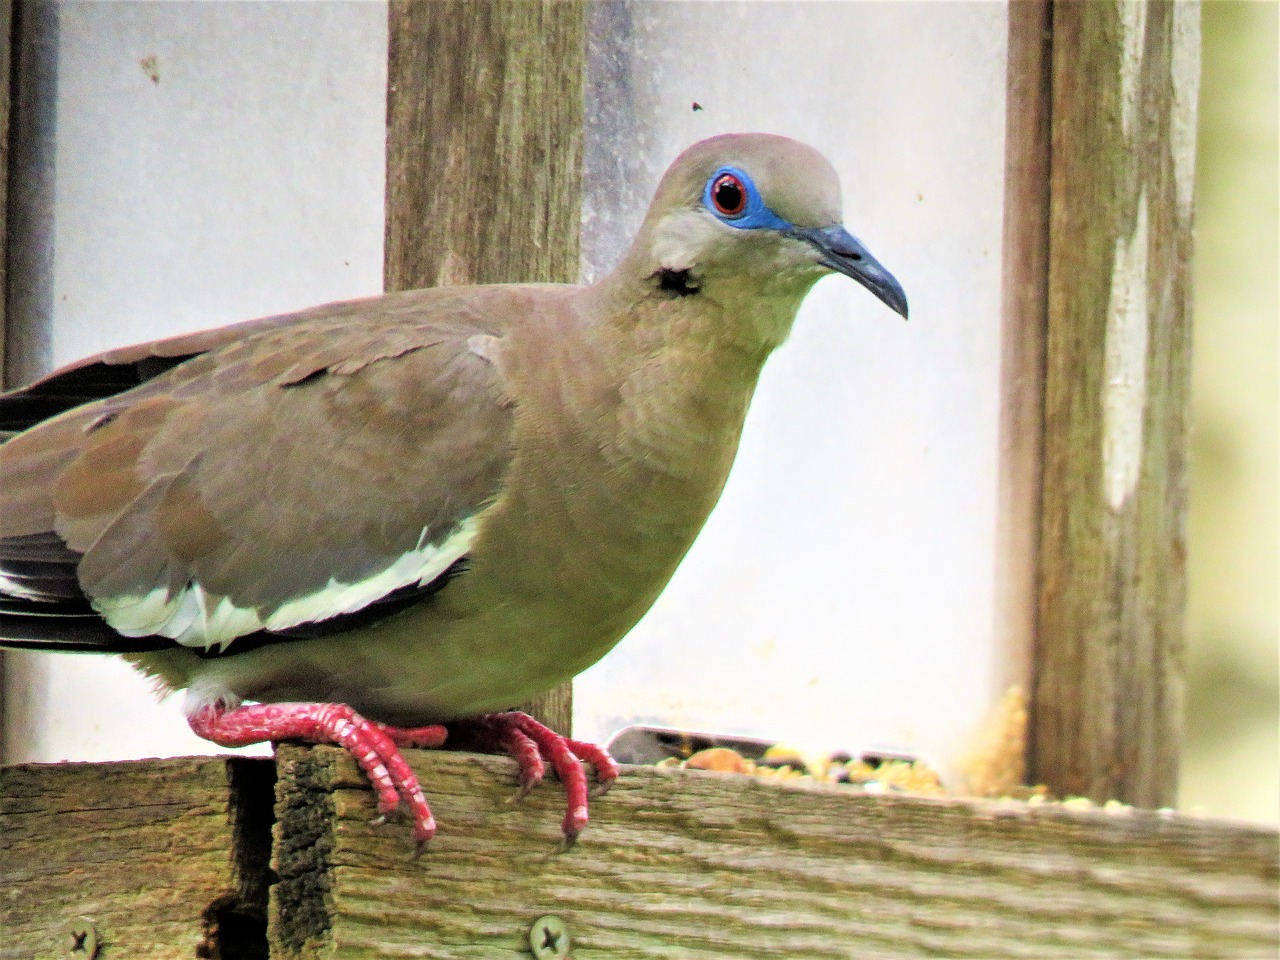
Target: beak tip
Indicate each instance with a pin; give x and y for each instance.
(900, 307)
(890, 292)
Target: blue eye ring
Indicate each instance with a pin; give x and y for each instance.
(749, 211)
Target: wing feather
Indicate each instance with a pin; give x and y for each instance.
(276, 475)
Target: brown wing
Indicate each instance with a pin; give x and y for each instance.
(287, 472)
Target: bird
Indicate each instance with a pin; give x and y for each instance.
(380, 522)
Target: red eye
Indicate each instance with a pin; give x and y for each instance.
(728, 195)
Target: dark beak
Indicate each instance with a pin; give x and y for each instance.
(844, 253)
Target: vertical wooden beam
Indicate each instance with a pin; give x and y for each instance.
(1025, 276)
(6, 69)
(484, 154)
(1107, 700)
(484, 142)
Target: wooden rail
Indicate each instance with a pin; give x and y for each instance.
(193, 858)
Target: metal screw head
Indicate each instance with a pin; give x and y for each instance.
(82, 940)
(549, 938)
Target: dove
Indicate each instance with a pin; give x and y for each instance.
(378, 522)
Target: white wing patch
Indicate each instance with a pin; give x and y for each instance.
(194, 617)
(14, 588)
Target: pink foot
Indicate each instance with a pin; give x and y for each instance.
(374, 745)
(531, 744)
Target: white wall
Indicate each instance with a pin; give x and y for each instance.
(842, 593)
(248, 180)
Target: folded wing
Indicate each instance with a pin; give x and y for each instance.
(277, 478)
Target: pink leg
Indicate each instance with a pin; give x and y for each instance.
(530, 743)
(421, 738)
(372, 744)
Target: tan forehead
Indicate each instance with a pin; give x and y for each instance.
(796, 181)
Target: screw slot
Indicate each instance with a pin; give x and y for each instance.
(549, 938)
(84, 939)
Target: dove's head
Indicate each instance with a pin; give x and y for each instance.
(749, 216)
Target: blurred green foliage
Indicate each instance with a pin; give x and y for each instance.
(1231, 761)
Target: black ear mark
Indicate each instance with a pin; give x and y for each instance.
(676, 283)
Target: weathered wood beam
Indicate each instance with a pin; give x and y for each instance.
(1023, 309)
(698, 865)
(1107, 697)
(484, 142)
(6, 70)
(484, 155)
(154, 860)
(165, 859)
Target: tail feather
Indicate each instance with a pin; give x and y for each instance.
(43, 608)
(45, 547)
(41, 603)
(64, 626)
(38, 588)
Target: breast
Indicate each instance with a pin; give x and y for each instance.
(601, 508)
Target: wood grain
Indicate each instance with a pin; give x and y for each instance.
(166, 858)
(29, 192)
(1107, 698)
(1024, 304)
(685, 864)
(484, 142)
(6, 70)
(484, 156)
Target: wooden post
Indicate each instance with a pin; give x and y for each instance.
(1107, 696)
(1025, 276)
(484, 142)
(6, 64)
(484, 155)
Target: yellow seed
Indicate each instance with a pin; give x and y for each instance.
(719, 759)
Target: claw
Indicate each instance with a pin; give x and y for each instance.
(522, 791)
(533, 745)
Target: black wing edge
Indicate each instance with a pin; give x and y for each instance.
(26, 406)
(66, 633)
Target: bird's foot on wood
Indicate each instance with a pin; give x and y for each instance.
(373, 745)
(531, 744)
